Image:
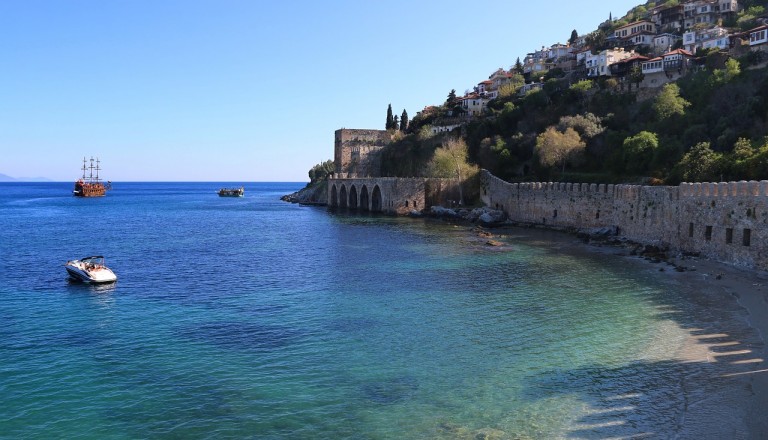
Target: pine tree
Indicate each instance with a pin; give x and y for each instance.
(404, 121)
(518, 66)
(451, 98)
(390, 119)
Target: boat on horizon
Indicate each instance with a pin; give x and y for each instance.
(90, 270)
(231, 192)
(90, 185)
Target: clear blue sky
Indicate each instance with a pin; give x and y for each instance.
(242, 90)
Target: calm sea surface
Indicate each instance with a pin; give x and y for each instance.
(254, 318)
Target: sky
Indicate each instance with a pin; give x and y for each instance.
(240, 91)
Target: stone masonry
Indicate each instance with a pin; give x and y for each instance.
(726, 221)
(356, 152)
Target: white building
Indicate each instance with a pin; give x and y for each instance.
(598, 64)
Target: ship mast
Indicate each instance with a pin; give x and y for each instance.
(97, 169)
(84, 168)
(90, 176)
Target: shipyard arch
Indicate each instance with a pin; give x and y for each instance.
(364, 203)
(334, 197)
(352, 197)
(343, 197)
(376, 199)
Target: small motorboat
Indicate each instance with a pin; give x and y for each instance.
(231, 192)
(90, 270)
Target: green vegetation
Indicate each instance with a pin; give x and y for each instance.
(710, 125)
(320, 172)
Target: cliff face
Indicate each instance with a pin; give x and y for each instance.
(314, 194)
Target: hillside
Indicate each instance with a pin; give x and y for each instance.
(709, 123)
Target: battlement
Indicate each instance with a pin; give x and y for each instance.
(703, 218)
(356, 152)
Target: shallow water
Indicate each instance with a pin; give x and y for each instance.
(253, 318)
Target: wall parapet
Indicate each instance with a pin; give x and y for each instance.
(724, 221)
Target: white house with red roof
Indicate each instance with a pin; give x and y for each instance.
(666, 68)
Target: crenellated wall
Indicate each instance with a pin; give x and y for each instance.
(723, 221)
(356, 152)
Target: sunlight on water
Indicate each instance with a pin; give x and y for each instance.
(256, 318)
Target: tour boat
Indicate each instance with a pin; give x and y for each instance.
(90, 270)
(232, 192)
(91, 186)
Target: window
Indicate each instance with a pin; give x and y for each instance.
(690, 229)
(708, 233)
(747, 237)
(729, 235)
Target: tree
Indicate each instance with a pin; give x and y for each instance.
(451, 101)
(639, 150)
(320, 171)
(518, 67)
(451, 161)
(555, 148)
(574, 37)
(636, 75)
(395, 123)
(404, 121)
(596, 40)
(700, 164)
(669, 102)
(390, 119)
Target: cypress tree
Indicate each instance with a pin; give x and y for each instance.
(404, 121)
(395, 124)
(390, 119)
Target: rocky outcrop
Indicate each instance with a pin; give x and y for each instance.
(487, 217)
(312, 194)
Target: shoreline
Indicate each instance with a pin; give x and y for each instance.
(729, 350)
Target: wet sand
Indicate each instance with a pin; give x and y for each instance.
(742, 362)
(726, 320)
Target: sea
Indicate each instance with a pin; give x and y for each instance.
(255, 318)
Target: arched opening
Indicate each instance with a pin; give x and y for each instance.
(364, 203)
(352, 197)
(334, 197)
(376, 199)
(343, 197)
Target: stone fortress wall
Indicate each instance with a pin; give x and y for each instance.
(725, 221)
(356, 152)
(392, 195)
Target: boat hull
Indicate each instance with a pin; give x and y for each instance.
(79, 272)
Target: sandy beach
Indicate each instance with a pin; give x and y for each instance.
(725, 320)
(735, 297)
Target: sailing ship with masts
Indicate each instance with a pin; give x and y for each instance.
(90, 185)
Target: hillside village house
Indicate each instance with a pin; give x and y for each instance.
(698, 18)
(758, 38)
(663, 43)
(639, 33)
(668, 18)
(715, 37)
(666, 68)
(598, 64)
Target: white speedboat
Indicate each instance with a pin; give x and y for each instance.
(90, 270)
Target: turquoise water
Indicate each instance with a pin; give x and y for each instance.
(254, 318)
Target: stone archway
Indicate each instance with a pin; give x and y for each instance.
(334, 197)
(343, 197)
(364, 203)
(376, 199)
(352, 197)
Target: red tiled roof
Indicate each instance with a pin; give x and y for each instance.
(679, 52)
